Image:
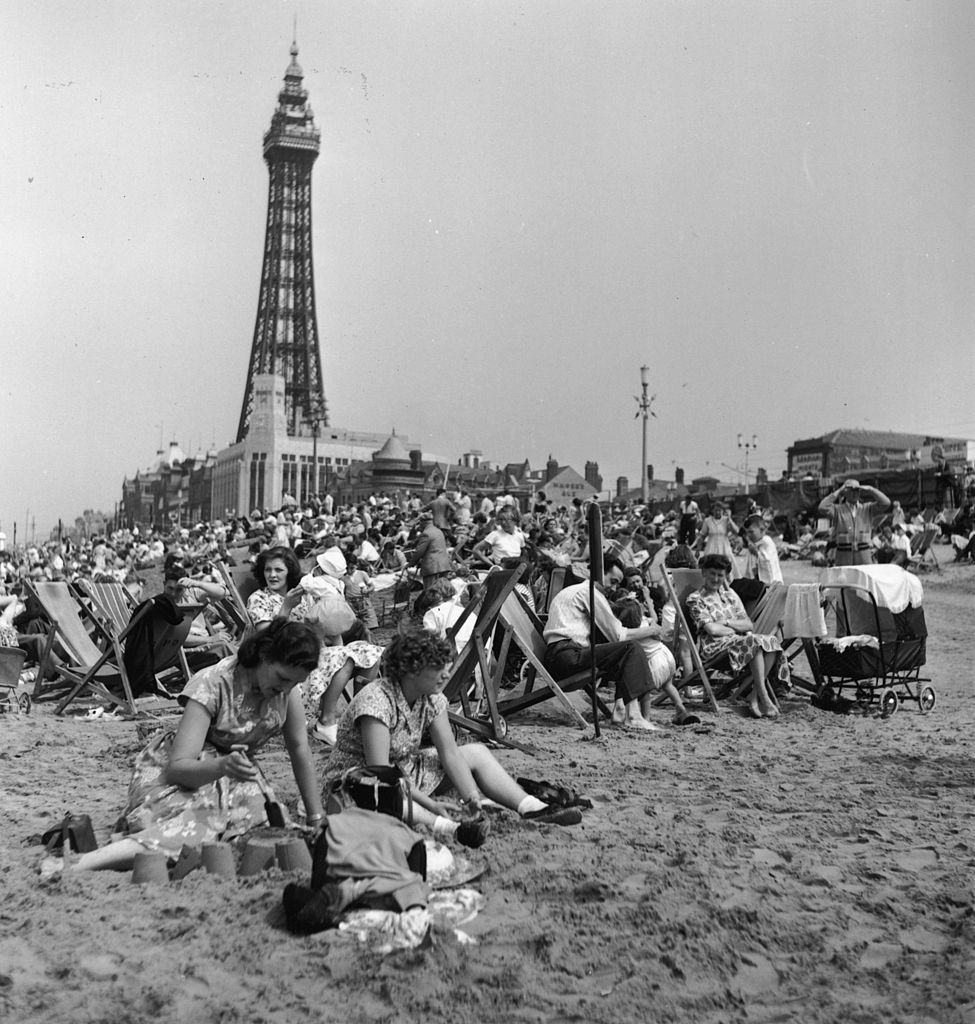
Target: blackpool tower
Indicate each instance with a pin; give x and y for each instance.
(286, 332)
(286, 446)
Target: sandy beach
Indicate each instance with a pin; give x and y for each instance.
(813, 869)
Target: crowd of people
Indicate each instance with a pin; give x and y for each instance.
(314, 636)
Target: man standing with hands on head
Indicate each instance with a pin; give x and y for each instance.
(853, 520)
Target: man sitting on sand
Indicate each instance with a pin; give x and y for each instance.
(638, 674)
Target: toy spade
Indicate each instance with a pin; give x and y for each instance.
(273, 810)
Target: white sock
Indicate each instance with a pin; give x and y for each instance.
(529, 804)
(328, 732)
(443, 828)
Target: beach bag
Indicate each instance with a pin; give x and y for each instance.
(381, 788)
(74, 831)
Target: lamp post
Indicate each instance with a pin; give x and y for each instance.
(644, 410)
(317, 417)
(748, 446)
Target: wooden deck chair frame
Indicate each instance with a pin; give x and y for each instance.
(681, 628)
(66, 614)
(524, 627)
(486, 605)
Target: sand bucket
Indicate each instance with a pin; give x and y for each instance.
(149, 868)
(258, 856)
(218, 859)
(293, 855)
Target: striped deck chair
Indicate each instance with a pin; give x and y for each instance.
(921, 549)
(110, 602)
(89, 667)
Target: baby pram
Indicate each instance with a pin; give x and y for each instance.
(881, 637)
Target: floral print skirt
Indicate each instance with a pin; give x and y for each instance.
(165, 817)
(742, 648)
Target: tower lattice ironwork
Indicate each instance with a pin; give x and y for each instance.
(286, 330)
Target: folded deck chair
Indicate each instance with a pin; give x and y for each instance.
(525, 628)
(88, 666)
(481, 653)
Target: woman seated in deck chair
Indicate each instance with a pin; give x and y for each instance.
(385, 725)
(723, 627)
(197, 783)
(278, 571)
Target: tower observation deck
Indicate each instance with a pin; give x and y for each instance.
(286, 331)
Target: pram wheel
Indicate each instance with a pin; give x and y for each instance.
(926, 700)
(25, 702)
(888, 703)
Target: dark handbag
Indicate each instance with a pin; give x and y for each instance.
(75, 830)
(381, 788)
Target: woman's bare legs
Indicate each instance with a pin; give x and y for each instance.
(762, 704)
(117, 856)
(492, 780)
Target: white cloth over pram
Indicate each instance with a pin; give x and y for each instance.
(890, 586)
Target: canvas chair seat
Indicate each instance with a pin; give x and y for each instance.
(525, 629)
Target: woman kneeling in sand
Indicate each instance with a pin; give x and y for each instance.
(196, 783)
(724, 628)
(385, 724)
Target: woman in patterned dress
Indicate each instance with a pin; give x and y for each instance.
(724, 628)
(713, 538)
(385, 725)
(278, 571)
(196, 783)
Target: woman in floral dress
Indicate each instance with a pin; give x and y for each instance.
(196, 783)
(386, 723)
(724, 628)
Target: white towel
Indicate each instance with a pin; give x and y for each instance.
(803, 616)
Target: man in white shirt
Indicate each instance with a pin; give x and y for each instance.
(568, 652)
(506, 541)
(762, 562)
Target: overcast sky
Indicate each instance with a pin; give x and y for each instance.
(515, 206)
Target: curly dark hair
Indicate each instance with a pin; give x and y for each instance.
(283, 554)
(412, 651)
(680, 556)
(280, 642)
(714, 561)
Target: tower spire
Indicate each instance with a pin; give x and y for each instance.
(286, 330)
